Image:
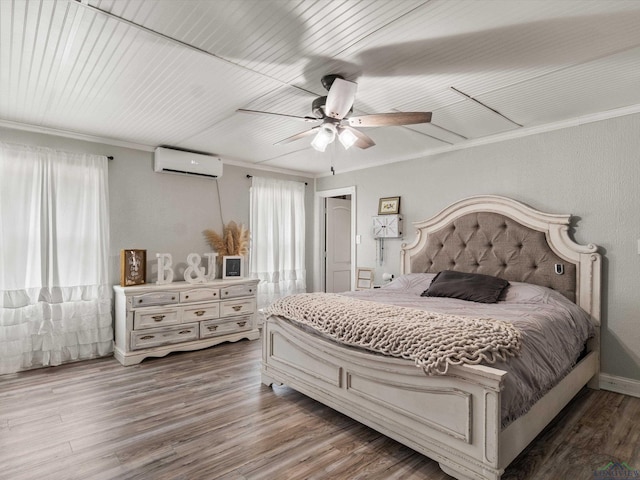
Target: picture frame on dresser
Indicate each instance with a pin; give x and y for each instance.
(232, 266)
(133, 266)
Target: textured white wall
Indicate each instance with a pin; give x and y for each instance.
(591, 171)
(164, 213)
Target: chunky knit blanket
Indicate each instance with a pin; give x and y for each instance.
(433, 340)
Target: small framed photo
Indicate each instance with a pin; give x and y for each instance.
(133, 267)
(232, 267)
(389, 205)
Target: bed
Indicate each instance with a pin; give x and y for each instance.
(456, 418)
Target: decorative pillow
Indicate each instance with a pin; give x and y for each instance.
(474, 287)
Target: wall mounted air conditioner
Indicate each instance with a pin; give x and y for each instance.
(168, 160)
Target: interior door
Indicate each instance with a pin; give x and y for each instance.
(338, 245)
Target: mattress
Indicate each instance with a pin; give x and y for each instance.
(554, 332)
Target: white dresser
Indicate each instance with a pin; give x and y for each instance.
(154, 320)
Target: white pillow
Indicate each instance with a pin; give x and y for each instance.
(411, 282)
(518, 292)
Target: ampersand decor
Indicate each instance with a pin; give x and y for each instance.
(194, 268)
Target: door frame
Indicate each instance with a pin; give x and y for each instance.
(319, 234)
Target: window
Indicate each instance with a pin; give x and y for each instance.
(277, 238)
(55, 297)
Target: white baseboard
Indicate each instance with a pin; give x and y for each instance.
(623, 385)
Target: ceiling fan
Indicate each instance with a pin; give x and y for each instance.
(333, 113)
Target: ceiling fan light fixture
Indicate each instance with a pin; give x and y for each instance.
(319, 143)
(347, 138)
(325, 136)
(333, 113)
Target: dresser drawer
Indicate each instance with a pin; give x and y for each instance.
(200, 312)
(199, 295)
(224, 326)
(237, 307)
(237, 291)
(155, 318)
(154, 298)
(164, 336)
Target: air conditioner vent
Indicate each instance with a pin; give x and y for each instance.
(168, 160)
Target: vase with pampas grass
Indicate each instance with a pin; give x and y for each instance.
(233, 241)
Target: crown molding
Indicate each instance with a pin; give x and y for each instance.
(137, 146)
(499, 137)
(510, 135)
(75, 135)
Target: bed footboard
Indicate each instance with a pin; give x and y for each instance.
(453, 419)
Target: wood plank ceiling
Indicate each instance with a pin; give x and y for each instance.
(150, 72)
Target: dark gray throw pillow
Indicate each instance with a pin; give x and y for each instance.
(474, 287)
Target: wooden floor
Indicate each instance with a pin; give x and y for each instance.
(205, 415)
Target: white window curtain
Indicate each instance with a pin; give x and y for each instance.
(277, 238)
(55, 297)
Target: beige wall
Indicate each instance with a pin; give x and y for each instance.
(164, 213)
(591, 171)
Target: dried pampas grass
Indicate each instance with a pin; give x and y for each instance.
(233, 241)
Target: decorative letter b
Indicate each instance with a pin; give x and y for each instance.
(165, 270)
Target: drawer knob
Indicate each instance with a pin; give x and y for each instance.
(241, 324)
(212, 328)
(158, 318)
(182, 332)
(199, 313)
(250, 291)
(147, 337)
(237, 308)
(186, 296)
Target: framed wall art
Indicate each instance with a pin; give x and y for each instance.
(133, 267)
(389, 206)
(232, 266)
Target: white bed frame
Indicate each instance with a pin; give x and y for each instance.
(454, 419)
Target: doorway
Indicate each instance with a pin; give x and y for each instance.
(335, 267)
(337, 257)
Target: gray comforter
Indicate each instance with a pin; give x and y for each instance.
(554, 331)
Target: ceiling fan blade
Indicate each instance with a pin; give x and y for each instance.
(340, 98)
(390, 119)
(298, 136)
(258, 112)
(362, 140)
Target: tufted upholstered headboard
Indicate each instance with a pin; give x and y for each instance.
(493, 244)
(502, 237)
